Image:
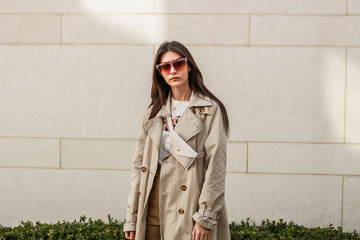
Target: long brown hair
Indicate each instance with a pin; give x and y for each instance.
(160, 89)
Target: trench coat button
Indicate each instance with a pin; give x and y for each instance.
(202, 110)
(138, 193)
(143, 169)
(178, 149)
(183, 187)
(167, 146)
(181, 211)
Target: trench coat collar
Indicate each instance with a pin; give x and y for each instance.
(196, 100)
(189, 124)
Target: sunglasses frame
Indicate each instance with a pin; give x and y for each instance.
(158, 66)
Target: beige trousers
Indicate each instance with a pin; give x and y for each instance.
(152, 219)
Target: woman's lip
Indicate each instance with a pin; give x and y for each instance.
(174, 78)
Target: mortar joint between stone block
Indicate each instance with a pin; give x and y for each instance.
(61, 29)
(342, 201)
(60, 141)
(345, 92)
(247, 157)
(249, 33)
(347, 7)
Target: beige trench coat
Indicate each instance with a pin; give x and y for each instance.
(186, 196)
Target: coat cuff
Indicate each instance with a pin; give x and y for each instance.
(206, 219)
(130, 223)
(129, 226)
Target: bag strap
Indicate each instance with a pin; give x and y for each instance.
(170, 124)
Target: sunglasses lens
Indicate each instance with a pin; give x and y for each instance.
(165, 69)
(179, 65)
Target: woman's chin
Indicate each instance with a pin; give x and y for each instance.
(177, 83)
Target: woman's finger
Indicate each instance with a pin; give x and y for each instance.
(130, 235)
(207, 236)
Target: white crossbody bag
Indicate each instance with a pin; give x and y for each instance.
(183, 153)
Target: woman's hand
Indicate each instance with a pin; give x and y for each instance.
(200, 233)
(130, 235)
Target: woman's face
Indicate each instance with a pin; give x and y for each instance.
(175, 78)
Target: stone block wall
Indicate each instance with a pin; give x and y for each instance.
(75, 78)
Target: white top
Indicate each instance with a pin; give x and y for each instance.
(177, 108)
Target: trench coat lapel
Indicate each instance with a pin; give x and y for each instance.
(154, 125)
(189, 124)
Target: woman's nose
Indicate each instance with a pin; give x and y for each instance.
(172, 69)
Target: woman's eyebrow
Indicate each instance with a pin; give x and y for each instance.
(172, 60)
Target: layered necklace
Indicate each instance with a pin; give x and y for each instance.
(175, 107)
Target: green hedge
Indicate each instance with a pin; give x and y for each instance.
(97, 229)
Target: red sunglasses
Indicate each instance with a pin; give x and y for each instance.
(178, 64)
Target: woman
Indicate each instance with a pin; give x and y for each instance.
(178, 192)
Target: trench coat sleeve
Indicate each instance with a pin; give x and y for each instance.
(212, 197)
(133, 198)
